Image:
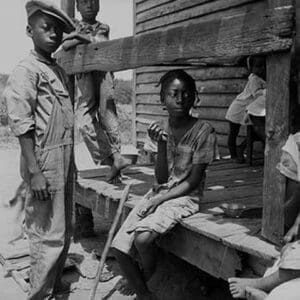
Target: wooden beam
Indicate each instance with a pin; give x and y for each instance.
(251, 33)
(277, 130)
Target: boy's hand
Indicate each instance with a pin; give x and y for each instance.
(77, 36)
(293, 234)
(39, 187)
(74, 39)
(156, 133)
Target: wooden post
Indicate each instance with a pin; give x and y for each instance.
(277, 130)
(297, 47)
(134, 139)
(69, 7)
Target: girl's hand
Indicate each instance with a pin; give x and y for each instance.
(39, 187)
(156, 133)
(149, 207)
(293, 234)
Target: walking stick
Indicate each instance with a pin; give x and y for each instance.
(109, 240)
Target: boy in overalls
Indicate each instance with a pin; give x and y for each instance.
(41, 116)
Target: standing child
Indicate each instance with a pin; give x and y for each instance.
(96, 110)
(183, 153)
(236, 113)
(98, 120)
(41, 116)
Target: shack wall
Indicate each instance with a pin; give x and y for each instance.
(217, 85)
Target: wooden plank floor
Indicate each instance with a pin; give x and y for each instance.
(226, 182)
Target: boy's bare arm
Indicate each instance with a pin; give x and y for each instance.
(73, 39)
(294, 232)
(38, 182)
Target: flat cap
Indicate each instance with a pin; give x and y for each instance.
(51, 9)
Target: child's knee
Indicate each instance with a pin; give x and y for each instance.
(142, 241)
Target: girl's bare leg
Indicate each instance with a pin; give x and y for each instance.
(134, 275)
(144, 242)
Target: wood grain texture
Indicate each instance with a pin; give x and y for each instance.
(206, 254)
(277, 130)
(220, 86)
(149, 4)
(189, 16)
(179, 11)
(212, 100)
(198, 73)
(170, 9)
(250, 33)
(297, 48)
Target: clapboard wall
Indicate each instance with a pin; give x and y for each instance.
(217, 85)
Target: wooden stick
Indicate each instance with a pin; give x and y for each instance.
(16, 276)
(109, 241)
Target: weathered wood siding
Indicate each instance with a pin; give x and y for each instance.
(217, 85)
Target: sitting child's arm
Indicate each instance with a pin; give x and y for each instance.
(161, 166)
(38, 182)
(294, 232)
(184, 188)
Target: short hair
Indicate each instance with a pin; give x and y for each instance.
(256, 61)
(176, 74)
(77, 1)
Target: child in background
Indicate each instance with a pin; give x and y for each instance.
(98, 121)
(96, 111)
(236, 113)
(184, 151)
(41, 116)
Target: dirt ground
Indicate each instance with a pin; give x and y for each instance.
(174, 279)
(9, 290)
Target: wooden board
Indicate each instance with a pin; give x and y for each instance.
(143, 5)
(240, 234)
(250, 33)
(222, 86)
(198, 73)
(170, 10)
(212, 100)
(179, 11)
(205, 253)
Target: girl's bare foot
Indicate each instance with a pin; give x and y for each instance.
(255, 294)
(237, 286)
(123, 287)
